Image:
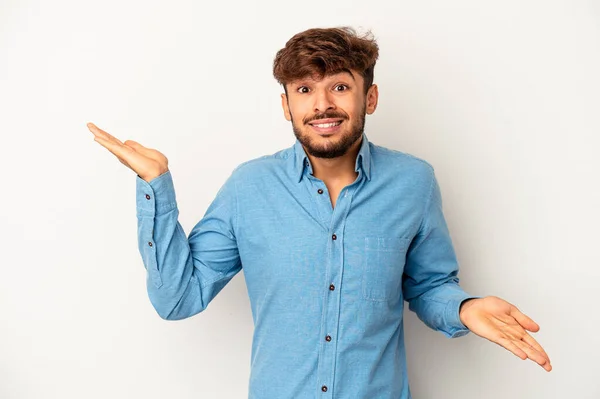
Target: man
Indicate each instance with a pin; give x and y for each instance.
(333, 234)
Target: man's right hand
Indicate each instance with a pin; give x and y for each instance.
(146, 162)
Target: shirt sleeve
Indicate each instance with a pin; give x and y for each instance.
(430, 280)
(183, 274)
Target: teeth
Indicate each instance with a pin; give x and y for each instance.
(326, 125)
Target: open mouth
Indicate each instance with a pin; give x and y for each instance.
(326, 126)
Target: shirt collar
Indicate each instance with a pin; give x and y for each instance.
(363, 159)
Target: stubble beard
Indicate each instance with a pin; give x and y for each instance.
(331, 149)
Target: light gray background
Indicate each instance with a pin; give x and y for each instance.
(501, 97)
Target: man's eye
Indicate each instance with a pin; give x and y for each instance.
(303, 89)
(344, 87)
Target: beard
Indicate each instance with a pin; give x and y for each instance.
(331, 149)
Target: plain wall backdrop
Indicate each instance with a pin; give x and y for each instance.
(502, 98)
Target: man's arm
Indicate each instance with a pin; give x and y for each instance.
(430, 280)
(430, 285)
(185, 273)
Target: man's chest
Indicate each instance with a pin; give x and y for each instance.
(294, 242)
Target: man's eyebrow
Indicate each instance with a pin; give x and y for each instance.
(347, 72)
(308, 79)
(343, 73)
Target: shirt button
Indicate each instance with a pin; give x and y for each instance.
(320, 191)
(328, 338)
(324, 388)
(150, 243)
(331, 287)
(147, 197)
(334, 237)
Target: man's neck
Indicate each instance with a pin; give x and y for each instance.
(339, 170)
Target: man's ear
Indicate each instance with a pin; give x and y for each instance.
(286, 107)
(372, 97)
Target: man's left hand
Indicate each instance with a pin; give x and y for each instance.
(502, 323)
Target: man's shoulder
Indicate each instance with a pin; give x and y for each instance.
(398, 159)
(262, 164)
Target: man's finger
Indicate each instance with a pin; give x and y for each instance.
(524, 320)
(122, 152)
(140, 148)
(534, 355)
(130, 158)
(531, 341)
(516, 332)
(134, 144)
(101, 133)
(510, 346)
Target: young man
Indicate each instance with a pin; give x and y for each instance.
(333, 233)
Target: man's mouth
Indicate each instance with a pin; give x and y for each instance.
(329, 122)
(326, 125)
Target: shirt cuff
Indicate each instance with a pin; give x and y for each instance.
(458, 329)
(155, 197)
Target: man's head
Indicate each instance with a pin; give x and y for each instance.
(327, 76)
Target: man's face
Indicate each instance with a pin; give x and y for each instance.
(328, 115)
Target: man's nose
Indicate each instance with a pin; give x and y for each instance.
(323, 101)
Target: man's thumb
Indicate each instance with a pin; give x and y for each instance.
(134, 144)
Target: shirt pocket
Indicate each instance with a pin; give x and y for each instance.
(383, 266)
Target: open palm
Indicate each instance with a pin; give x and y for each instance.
(146, 162)
(502, 323)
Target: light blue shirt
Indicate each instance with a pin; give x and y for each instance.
(327, 285)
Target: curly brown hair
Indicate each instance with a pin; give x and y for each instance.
(319, 52)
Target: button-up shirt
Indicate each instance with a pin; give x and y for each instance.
(326, 284)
